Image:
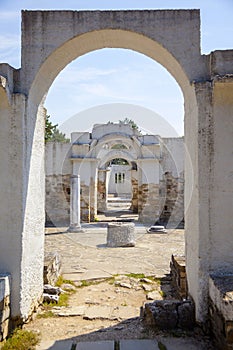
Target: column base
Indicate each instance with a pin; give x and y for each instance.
(75, 228)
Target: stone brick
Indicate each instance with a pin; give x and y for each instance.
(178, 274)
(186, 315)
(229, 332)
(57, 200)
(52, 268)
(4, 314)
(4, 329)
(120, 235)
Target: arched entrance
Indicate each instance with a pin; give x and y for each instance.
(172, 38)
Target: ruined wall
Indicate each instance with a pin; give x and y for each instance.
(221, 310)
(57, 183)
(57, 203)
(148, 203)
(101, 192)
(172, 200)
(84, 202)
(134, 200)
(172, 182)
(4, 306)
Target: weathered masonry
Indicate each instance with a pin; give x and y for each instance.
(152, 180)
(50, 41)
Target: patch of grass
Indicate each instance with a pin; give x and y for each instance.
(161, 346)
(135, 275)
(111, 280)
(86, 283)
(46, 314)
(63, 301)
(61, 280)
(21, 340)
(158, 280)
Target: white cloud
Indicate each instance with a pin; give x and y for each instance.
(74, 75)
(8, 42)
(10, 49)
(9, 15)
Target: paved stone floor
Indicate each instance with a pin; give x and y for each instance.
(85, 255)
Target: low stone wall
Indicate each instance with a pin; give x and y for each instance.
(85, 203)
(4, 305)
(172, 200)
(169, 314)
(52, 268)
(57, 200)
(101, 196)
(221, 310)
(178, 275)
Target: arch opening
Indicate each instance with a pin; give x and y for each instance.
(97, 40)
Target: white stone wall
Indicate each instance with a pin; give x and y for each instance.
(58, 168)
(120, 188)
(57, 160)
(172, 155)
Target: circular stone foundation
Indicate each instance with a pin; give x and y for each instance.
(120, 234)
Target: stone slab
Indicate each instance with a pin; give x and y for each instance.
(99, 312)
(72, 311)
(95, 274)
(125, 312)
(145, 344)
(97, 345)
(4, 286)
(55, 345)
(87, 275)
(183, 344)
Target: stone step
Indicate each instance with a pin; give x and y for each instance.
(55, 345)
(97, 345)
(145, 344)
(168, 343)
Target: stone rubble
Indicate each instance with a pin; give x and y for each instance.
(51, 293)
(52, 268)
(4, 305)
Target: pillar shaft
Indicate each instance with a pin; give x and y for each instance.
(75, 204)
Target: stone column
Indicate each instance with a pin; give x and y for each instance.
(75, 204)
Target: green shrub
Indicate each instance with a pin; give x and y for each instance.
(21, 340)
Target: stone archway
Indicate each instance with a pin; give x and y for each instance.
(172, 38)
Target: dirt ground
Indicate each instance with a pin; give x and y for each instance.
(107, 310)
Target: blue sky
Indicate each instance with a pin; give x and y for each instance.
(113, 78)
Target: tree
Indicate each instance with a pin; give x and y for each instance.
(131, 122)
(52, 133)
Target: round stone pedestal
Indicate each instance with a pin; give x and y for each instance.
(120, 234)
